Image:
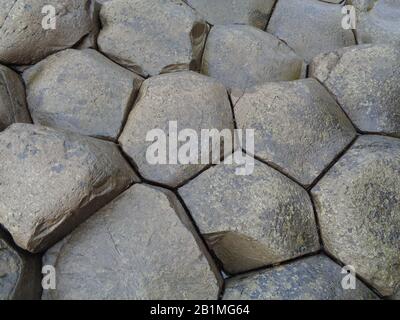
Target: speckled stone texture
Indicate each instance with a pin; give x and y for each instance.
(314, 278)
(298, 126)
(358, 205)
(365, 81)
(139, 248)
(53, 180)
(94, 103)
(251, 221)
(152, 36)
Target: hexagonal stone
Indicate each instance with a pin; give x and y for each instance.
(192, 101)
(310, 27)
(252, 12)
(81, 91)
(298, 126)
(358, 205)
(142, 246)
(243, 56)
(12, 99)
(253, 220)
(152, 36)
(23, 40)
(53, 180)
(20, 274)
(366, 82)
(313, 278)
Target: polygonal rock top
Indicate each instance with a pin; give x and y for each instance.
(252, 220)
(313, 278)
(152, 36)
(142, 246)
(358, 205)
(365, 81)
(186, 100)
(92, 102)
(53, 180)
(298, 126)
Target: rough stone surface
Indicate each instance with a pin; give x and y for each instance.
(252, 12)
(12, 99)
(20, 275)
(152, 36)
(52, 180)
(140, 249)
(365, 81)
(243, 56)
(23, 40)
(310, 27)
(314, 278)
(94, 102)
(358, 205)
(253, 220)
(190, 99)
(298, 126)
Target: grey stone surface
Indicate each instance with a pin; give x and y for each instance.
(310, 27)
(313, 278)
(52, 180)
(243, 56)
(81, 91)
(192, 101)
(140, 246)
(298, 126)
(152, 36)
(23, 40)
(365, 81)
(20, 273)
(358, 204)
(252, 12)
(253, 220)
(12, 99)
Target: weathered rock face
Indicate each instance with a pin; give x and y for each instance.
(252, 12)
(93, 102)
(23, 40)
(191, 101)
(254, 220)
(358, 204)
(314, 278)
(298, 126)
(53, 180)
(12, 99)
(310, 27)
(20, 275)
(365, 81)
(378, 21)
(142, 247)
(152, 36)
(243, 56)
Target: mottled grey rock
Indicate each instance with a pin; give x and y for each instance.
(314, 278)
(52, 180)
(192, 101)
(20, 277)
(243, 56)
(81, 91)
(12, 99)
(358, 204)
(140, 246)
(298, 126)
(152, 36)
(366, 82)
(23, 40)
(253, 220)
(310, 27)
(252, 12)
